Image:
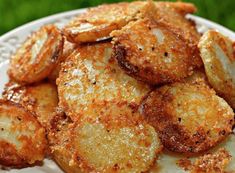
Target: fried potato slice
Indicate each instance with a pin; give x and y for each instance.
(182, 8)
(218, 55)
(111, 138)
(190, 118)
(68, 48)
(97, 23)
(22, 138)
(41, 99)
(173, 14)
(38, 55)
(90, 76)
(164, 57)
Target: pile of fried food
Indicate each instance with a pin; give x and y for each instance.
(121, 88)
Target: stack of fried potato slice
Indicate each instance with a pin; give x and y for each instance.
(118, 89)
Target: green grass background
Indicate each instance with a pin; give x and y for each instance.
(14, 13)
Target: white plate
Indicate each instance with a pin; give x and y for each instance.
(10, 41)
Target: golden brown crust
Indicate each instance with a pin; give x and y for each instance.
(97, 23)
(173, 14)
(214, 162)
(40, 99)
(164, 57)
(22, 138)
(218, 56)
(90, 76)
(36, 58)
(190, 118)
(58, 137)
(111, 138)
(181, 7)
(199, 75)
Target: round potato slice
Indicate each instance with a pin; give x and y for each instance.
(113, 138)
(218, 55)
(90, 75)
(97, 23)
(164, 57)
(38, 55)
(22, 138)
(190, 118)
(41, 99)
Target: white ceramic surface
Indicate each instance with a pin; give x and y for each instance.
(10, 41)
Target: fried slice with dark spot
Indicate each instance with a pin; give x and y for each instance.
(89, 75)
(38, 55)
(153, 52)
(22, 138)
(190, 118)
(173, 14)
(111, 138)
(98, 22)
(41, 99)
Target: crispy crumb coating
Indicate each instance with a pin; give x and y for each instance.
(164, 57)
(22, 138)
(90, 76)
(97, 23)
(218, 55)
(37, 56)
(41, 99)
(112, 138)
(212, 163)
(173, 14)
(190, 118)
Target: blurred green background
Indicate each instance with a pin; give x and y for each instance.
(14, 13)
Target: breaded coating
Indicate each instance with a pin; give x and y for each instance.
(41, 99)
(90, 76)
(58, 137)
(182, 8)
(190, 118)
(97, 23)
(212, 163)
(173, 14)
(199, 75)
(153, 52)
(113, 138)
(218, 55)
(68, 48)
(22, 138)
(173, 162)
(38, 55)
